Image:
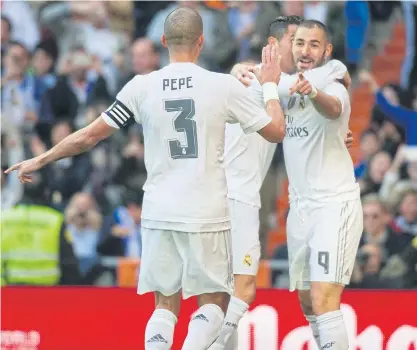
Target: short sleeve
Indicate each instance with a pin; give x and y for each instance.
(124, 111)
(245, 106)
(338, 90)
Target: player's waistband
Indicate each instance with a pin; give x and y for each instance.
(191, 227)
(320, 196)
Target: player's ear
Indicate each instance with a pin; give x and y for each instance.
(201, 41)
(328, 51)
(164, 41)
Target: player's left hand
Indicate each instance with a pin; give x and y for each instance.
(349, 139)
(301, 86)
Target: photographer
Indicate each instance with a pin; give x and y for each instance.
(84, 224)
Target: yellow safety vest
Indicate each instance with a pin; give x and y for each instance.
(30, 245)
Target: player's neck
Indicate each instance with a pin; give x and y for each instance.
(183, 58)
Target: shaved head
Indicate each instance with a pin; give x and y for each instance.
(183, 27)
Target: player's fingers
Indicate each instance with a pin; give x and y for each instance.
(295, 87)
(279, 60)
(252, 69)
(12, 168)
(350, 134)
(274, 55)
(268, 54)
(305, 88)
(300, 76)
(264, 55)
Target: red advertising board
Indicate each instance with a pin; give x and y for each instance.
(115, 319)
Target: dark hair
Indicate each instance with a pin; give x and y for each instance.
(183, 27)
(280, 25)
(312, 23)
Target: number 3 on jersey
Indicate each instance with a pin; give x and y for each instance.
(183, 122)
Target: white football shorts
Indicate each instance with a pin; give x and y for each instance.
(323, 240)
(197, 263)
(245, 237)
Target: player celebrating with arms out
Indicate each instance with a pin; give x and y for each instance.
(185, 221)
(247, 159)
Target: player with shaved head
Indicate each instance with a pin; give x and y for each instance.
(184, 110)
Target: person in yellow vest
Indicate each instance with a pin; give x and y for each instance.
(35, 248)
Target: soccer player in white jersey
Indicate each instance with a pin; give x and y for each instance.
(247, 159)
(185, 220)
(325, 221)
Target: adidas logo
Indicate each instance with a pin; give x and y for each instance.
(157, 339)
(200, 317)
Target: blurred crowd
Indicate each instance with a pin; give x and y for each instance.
(63, 62)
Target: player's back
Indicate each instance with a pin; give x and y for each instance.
(183, 113)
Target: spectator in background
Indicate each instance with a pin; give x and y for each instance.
(369, 145)
(144, 57)
(396, 105)
(75, 89)
(24, 27)
(394, 186)
(219, 47)
(42, 256)
(84, 224)
(378, 243)
(377, 229)
(43, 63)
(406, 221)
(21, 92)
(67, 176)
(378, 166)
(242, 17)
(132, 172)
(121, 232)
(5, 37)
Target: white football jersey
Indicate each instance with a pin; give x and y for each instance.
(248, 157)
(319, 166)
(184, 110)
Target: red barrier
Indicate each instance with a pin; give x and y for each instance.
(115, 318)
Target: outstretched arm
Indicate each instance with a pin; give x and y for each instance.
(76, 143)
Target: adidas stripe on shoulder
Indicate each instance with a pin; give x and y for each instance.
(120, 114)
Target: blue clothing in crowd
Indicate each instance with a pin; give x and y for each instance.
(357, 18)
(405, 117)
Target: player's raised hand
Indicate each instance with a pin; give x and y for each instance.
(25, 169)
(270, 72)
(301, 86)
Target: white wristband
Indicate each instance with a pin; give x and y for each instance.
(313, 92)
(270, 92)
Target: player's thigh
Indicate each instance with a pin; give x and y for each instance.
(161, 266)
(333, 246)
(246, 249)
(298, 232)
(207, 262)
